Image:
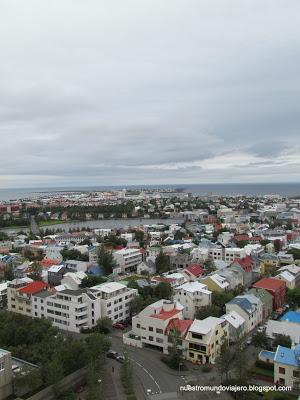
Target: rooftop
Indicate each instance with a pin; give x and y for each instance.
(287, 356)
(206, 325)
(33, 287)
(291, 316)
(270, 283)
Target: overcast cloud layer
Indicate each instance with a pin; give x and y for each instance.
(149, 91)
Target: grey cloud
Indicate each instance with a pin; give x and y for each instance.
(121, 92)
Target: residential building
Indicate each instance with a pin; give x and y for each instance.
(266, 299)
(293, 270)
(248, 307)
(147, 266)
(286, 366)
(127, 260)
(73, 280)
(276, 288)
(115, 300)
(19, 295)
(236, 325)
(151, 323)
(287, 328)
(193, 272)
(72, 310)
(205, 339)
(6, 376)
(3, 294)
(56, 274)
(192, 295)
(288, 278)
(216, 283)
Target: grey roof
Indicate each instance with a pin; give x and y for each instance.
(43, 294)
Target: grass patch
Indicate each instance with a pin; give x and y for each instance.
(263, 372)
(51, 222)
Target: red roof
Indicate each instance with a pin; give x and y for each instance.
(165, 314)
(181, 325)
(269, 283)
(195, 269)
(161, 279)
(47, 262)
(239, 238)
(246, 263)
(33, 287)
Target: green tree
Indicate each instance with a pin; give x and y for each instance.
(220, 299)
(106, 260)
(103, 325)
(92, 280)
(162, 263)
(208, 311)
(260, 339)
(282, 340)
(293, 297)
(136, 305)
(36, 272)
(225, 362)
(54, 373)
(163, 290)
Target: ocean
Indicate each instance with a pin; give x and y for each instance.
(226, 189)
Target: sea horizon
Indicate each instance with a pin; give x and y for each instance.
(285, 189)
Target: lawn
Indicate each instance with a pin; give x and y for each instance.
(51, 222)
(263, 372)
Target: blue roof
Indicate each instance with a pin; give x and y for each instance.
(243, 303)
(287, 356)
(291, 316)
(96, 270)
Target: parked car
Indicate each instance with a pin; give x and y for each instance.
(118, 325)
(120, 358)
(112, 354)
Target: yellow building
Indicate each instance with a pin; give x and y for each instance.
(205, 338)
(216, 283)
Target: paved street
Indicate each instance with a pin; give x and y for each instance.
(156, 377)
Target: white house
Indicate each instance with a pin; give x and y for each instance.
(192, 295)
(249, 307)
(151, 323)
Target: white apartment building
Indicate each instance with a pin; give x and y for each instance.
(228, 254)
(73, 310)
(70, 310)
(114, 299)
(151, 323)
(231, 253)
(192, 295)
(127, 260)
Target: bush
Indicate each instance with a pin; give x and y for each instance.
(206, 368)
(264, 365)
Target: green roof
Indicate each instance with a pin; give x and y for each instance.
(262, 294)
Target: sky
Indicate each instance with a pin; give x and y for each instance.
(120, 92)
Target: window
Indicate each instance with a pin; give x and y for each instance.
(159, 340)
(159, 330)
(197, 336)
(296, 374)
(138, 325)
(151, 338)
(281, 370)
(150, 328)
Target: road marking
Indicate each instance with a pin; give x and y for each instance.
(148, 373)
